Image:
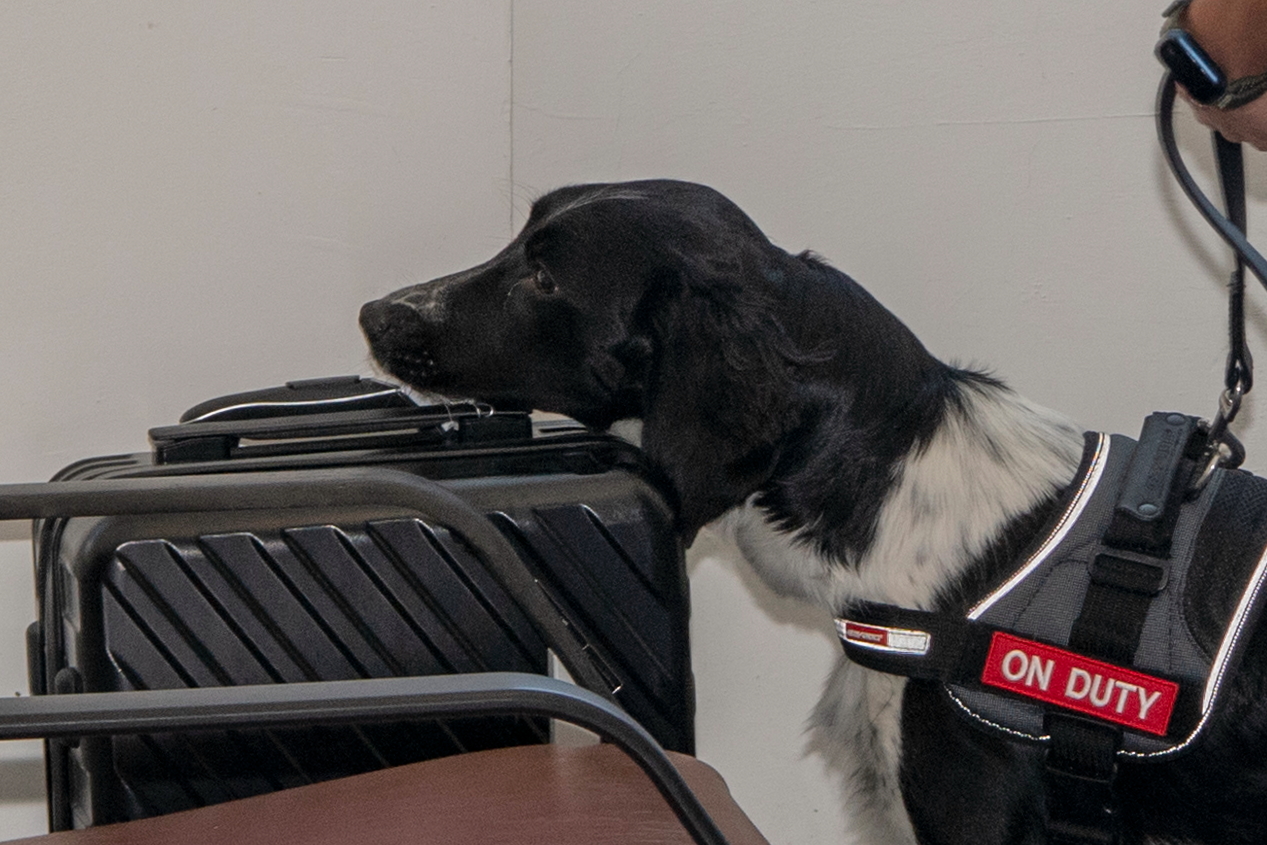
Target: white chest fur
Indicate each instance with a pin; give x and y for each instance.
(993, 458)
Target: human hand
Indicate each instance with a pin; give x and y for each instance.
(1247, 123)
(1234, 33)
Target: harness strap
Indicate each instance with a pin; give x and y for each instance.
(942, 648)
(1091, 677)
(1082, 756)
(1115, 607)
(1125, 581)
(1081, 767)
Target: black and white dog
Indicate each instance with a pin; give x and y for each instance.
(778, 397)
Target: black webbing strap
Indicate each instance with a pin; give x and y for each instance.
(1112, 616)
(1240, 365)
(1134, 568)
(1125, 578)
(1081, 767)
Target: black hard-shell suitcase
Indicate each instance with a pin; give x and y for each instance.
(365, 567)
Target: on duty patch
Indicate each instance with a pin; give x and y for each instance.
(1082, 684)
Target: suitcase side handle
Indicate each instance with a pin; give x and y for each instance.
(322, 488)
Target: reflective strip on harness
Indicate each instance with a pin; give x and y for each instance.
(1056, 676)
(882, 638)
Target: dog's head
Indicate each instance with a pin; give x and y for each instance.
(649, 300)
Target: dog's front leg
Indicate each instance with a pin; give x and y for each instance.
(857, 726)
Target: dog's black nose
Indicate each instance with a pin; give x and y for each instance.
(397, 340)
(378, 317)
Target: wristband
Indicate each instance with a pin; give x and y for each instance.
(1199, 74)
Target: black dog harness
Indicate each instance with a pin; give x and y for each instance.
(1117, 631)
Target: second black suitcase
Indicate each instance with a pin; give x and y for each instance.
(327, 585)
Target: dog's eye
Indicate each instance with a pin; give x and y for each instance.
(544, 283)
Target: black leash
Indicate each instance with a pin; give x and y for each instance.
(1232, 173)
(1224, 449)
(1240, 365)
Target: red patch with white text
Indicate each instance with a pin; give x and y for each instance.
(1085, 685)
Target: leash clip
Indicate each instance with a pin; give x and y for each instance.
(1229, 406)
(1224, 450)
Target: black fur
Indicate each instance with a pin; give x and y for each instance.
(747, 365)
(759, 372)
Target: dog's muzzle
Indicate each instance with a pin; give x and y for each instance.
(398, 339)
(383, 317)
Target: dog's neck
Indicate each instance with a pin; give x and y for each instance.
(992, 460)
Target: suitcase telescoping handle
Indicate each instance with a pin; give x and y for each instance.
(321, 488)
(330, 408)
(298, 398)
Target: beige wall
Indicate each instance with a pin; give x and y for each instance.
(194, 199)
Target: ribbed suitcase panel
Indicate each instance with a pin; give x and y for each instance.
(621, 606)
(308, 603)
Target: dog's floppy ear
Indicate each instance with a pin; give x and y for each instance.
(720, 372)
